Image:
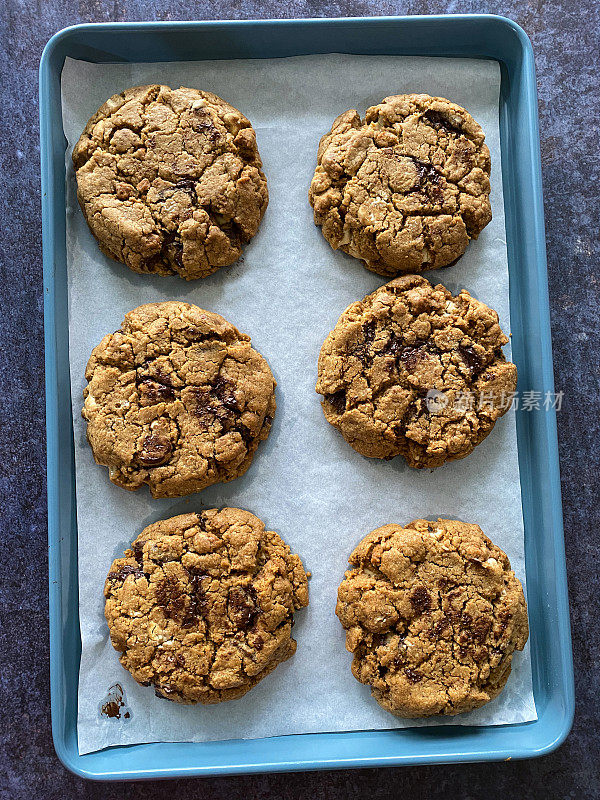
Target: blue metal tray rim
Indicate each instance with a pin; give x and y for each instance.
(495, 37)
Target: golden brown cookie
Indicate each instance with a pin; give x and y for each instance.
(407, 187)
(413, 371)
(176, 398)
(170, 181)
(433, 613)
(202, 605)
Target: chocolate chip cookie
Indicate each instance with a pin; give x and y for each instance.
(407, 187)
(170, 181)
(433, 614)
(413, 371)
(176, 398)
(201, 605)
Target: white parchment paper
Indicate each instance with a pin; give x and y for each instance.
(306, 483)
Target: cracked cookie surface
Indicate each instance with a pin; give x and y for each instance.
(433, 614)
(411, 370)
(406, 188)
(170, 181)
(201, 606)
(177, 399)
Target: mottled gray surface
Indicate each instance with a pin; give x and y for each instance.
(566, 41)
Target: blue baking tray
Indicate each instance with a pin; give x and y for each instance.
(473, 36)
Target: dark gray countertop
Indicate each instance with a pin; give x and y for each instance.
(566, 41)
